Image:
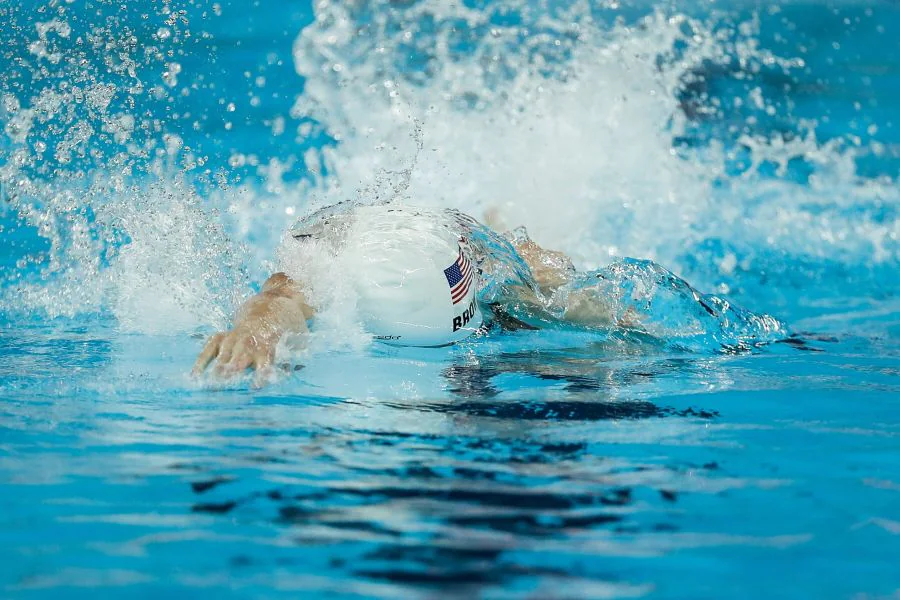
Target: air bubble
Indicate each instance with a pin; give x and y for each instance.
(170, 75)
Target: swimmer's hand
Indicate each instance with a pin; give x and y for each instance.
(587, 307)
(278, 310)
(550, 268)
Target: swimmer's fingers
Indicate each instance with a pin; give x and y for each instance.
(248, 351)
(264, 375)
(245, 353)
(262, 362)
(263, 358)
(209, 353)
(240, 360)
(231, 343)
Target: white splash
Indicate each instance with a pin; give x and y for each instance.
(568, 125)
(563, 118)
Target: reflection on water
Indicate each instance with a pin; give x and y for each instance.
(481, 504)
(557, 472)
(588, 384)
(424, 493)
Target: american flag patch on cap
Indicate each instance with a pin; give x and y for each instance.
(459, 277)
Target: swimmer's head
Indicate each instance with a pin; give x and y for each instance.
(416, 283)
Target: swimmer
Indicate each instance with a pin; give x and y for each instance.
(427, 278)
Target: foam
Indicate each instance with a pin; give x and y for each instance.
(571, 129)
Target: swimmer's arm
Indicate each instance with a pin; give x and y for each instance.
(279, 309)
(589, 309)
(581, 308)
(586, 307)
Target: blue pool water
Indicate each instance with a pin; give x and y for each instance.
(153, 152)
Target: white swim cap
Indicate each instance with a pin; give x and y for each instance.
(416, 282)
